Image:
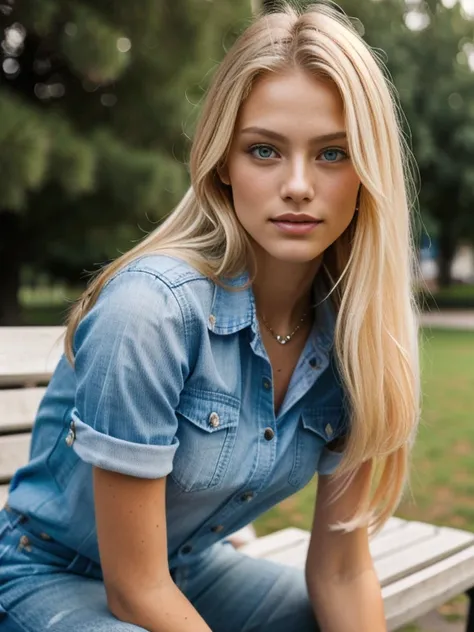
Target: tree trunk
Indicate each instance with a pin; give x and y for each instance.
(11, 247)
(447, 249)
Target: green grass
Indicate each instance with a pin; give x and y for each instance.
(442, 473)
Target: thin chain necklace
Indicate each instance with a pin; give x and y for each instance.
(283, 340)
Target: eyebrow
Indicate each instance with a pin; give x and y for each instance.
(341, 135)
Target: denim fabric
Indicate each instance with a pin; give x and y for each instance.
(171, 379)
(46, 588)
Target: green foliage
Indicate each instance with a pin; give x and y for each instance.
(97, 108)
(24, 159)
(431, 69)
(91, 46)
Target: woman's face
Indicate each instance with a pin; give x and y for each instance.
(294, 187)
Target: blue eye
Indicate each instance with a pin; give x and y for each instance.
(334, 155)
(264, 152)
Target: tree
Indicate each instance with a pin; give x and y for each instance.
(94, 97)
(429, 50)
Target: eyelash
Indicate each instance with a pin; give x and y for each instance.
(344, 153)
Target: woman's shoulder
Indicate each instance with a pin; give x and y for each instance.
(153, 282)
(170, 270)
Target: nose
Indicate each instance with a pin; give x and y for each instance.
(297, 184)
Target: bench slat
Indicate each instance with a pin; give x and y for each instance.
(18, 408)
(29, 354)
(414, 558)
(407, 535)
(14, 453)
(3, 495)
(421, 592)
(392, 567)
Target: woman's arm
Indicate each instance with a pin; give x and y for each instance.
(340, 575)
(131, 529)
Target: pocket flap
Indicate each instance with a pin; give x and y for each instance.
(210, 411)
(326, 421)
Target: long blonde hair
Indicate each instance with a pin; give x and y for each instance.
(371, 265)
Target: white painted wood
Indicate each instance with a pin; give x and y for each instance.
(414, 558)
(286, 539)
(18, 408)
(29, 355)
(408, 534)
(3, 495)
(423, 591)
(14, 452)
(391, 524)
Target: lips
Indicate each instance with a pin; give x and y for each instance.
(292, 218)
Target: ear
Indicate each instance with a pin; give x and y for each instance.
(223, 173)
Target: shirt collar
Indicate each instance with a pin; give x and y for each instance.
(233, 309)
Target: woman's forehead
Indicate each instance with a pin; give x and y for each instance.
(294, 101)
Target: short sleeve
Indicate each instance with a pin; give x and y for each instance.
(131, 362)
(330, 459)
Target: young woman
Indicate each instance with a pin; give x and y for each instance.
(264, 333)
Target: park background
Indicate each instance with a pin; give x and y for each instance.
(98, 101)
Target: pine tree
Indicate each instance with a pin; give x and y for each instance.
(97, 100)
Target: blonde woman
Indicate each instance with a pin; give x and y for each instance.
(263, 334)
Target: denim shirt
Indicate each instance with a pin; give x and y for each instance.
(171, 378)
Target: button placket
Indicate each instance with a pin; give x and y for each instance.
(269, 434)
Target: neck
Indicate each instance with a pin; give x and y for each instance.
(283, 291)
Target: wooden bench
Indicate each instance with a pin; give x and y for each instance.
(420, 566)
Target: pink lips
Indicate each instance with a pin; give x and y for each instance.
(296, 224)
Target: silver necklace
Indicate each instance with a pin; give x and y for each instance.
(283, 340)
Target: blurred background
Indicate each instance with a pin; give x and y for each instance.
(98, 101)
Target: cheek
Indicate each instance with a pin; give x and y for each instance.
(249, 189)
(341, 194)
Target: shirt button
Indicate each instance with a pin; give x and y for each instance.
(314, 364)
(247, 497)
(268, 434)
(329, 431)
(266, 384)
(212, 320)
(71, 435)
(217, 528)
(214, 420)
(186, 549)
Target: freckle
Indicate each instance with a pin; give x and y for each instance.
(143, 541)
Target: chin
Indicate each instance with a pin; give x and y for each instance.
(295, 253)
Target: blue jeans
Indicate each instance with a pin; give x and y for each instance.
(45, 587)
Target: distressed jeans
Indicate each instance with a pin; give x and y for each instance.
(45, 587)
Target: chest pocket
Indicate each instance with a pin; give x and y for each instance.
(207, 427)
(317, 427)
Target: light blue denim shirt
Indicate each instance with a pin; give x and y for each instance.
(171, 379)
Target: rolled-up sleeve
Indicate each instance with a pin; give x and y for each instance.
(131, 362)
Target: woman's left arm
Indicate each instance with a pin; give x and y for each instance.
(341, 579)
